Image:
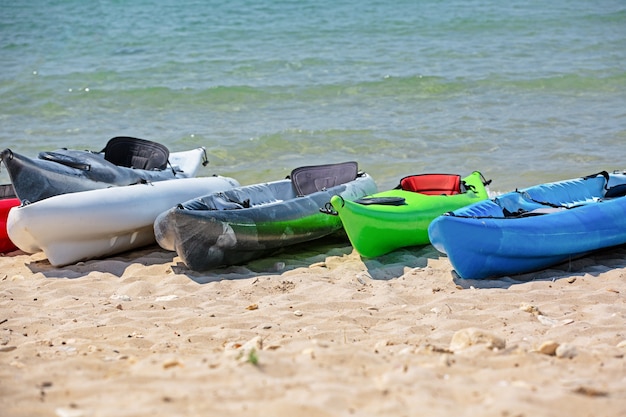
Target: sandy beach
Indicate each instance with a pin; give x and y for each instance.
(312, 331)
(525, 92)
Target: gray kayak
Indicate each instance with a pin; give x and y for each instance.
(124, 161)
(238, 225)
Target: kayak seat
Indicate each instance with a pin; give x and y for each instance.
(311, 179)
(136, 153)
(516, 203)
(569, 193)
(432, 184)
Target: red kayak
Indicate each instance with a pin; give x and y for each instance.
(8, 200)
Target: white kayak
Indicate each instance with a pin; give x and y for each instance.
(92, 224)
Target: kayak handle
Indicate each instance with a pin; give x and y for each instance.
(328, 209)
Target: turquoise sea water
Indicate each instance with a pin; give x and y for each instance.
(524, 91)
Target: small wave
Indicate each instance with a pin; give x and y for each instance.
(601, 82)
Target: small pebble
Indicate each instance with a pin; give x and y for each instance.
(472, 336)
(406, 351)
(166, 298)
(530, 309)
(381, 344)
(248, 351)
(363, 277)
(446, 360)
(547, 321)
(591, 392)
(566, 351)
(170, 363)
(254, 343)
(297, 313)
(548, 348)
(67, 412)
(309, 352)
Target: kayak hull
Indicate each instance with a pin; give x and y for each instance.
(377, 229)
(69, 171)
(8, 200)
(92, 224)
(532, 229)
(206, 233)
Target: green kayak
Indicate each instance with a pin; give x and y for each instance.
(385, 221)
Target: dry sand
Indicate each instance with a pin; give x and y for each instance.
(313, 331)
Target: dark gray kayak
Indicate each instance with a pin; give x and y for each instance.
(124, 161)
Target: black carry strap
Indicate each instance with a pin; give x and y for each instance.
(63, 159)
(385, 201)
(530, 213)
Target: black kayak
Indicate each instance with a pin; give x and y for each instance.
(124, 161)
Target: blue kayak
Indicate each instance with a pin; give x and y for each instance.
(533, 228)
